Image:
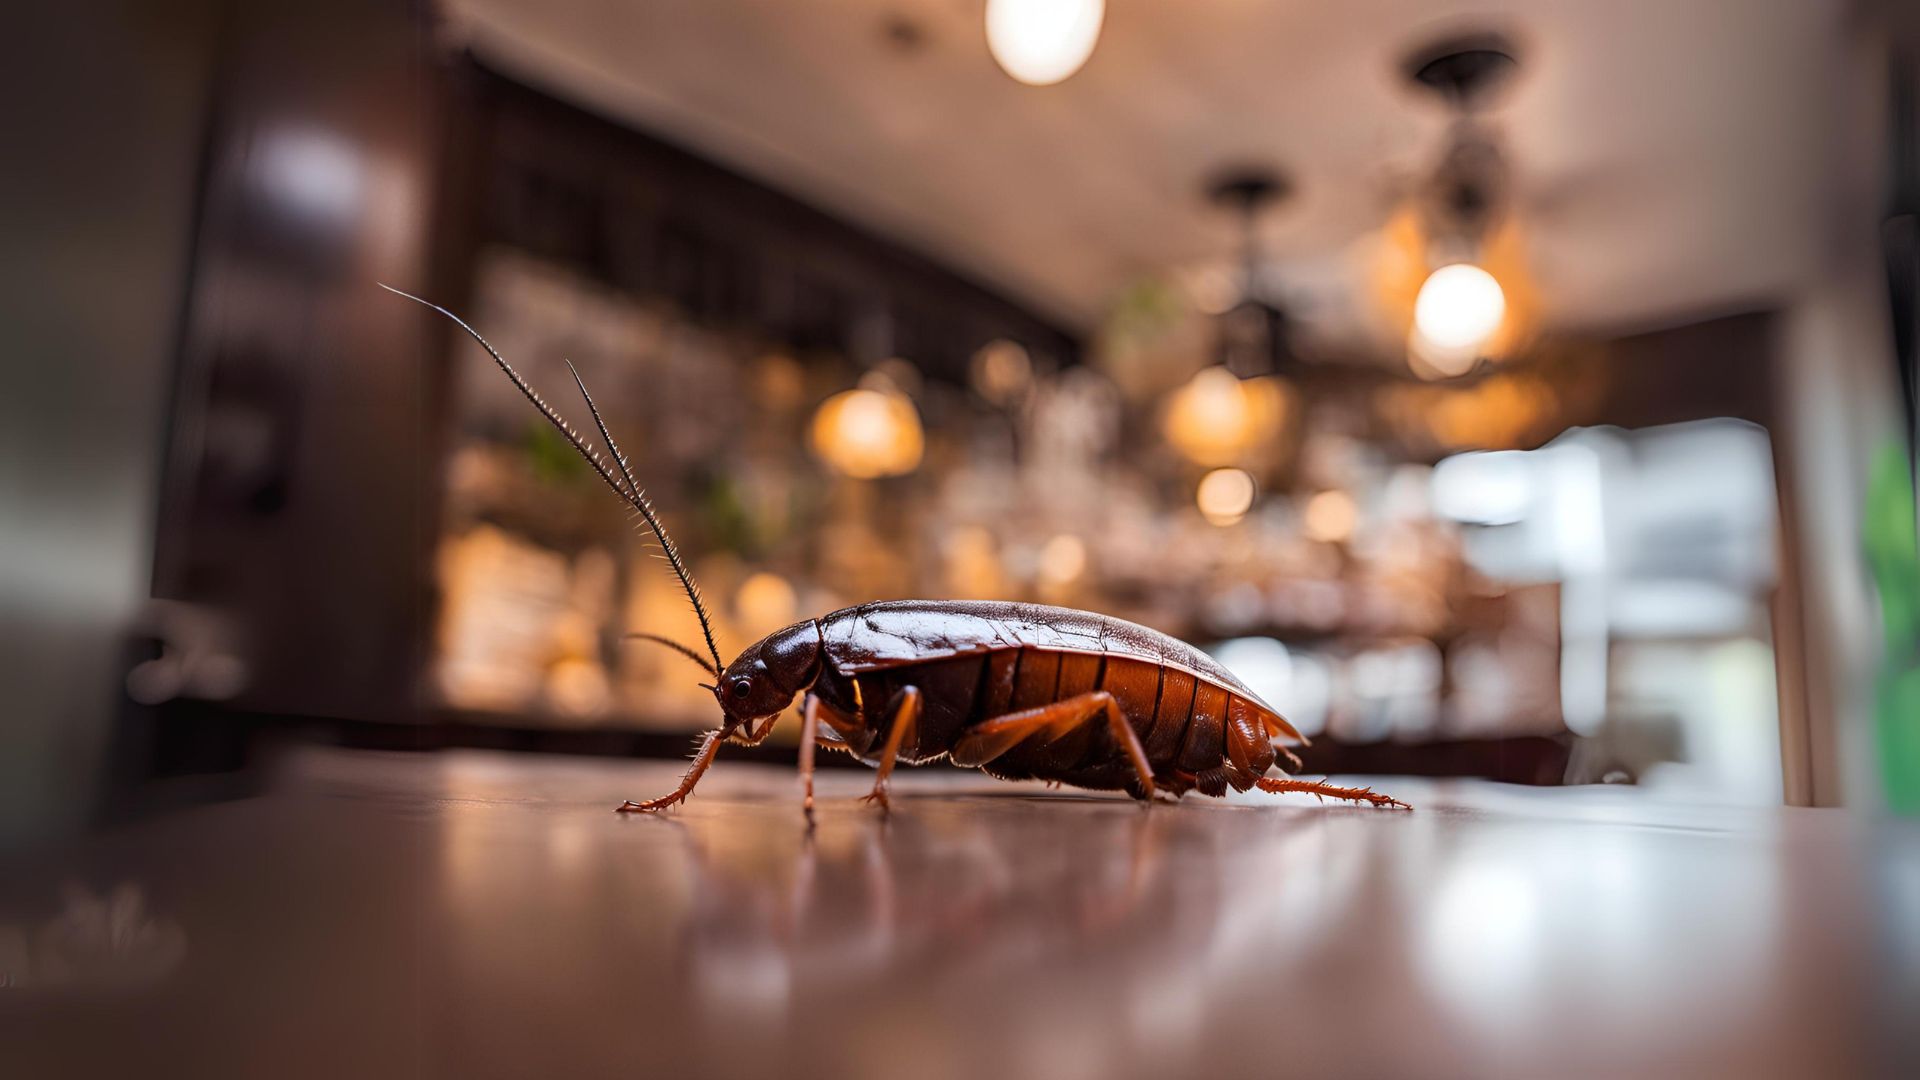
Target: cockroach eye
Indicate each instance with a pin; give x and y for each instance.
(740, 688)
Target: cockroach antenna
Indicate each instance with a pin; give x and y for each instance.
(629, 492)
(679, 648)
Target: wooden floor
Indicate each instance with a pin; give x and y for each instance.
(472, 915)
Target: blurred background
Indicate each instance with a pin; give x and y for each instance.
(1512, 391)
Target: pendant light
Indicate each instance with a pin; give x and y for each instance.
(1461, 307)
(1042, 42)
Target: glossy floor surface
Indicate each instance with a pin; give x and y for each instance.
(483, 915)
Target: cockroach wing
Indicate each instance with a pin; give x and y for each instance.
(897, 632)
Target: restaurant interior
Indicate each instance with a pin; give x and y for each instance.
(1520, 398)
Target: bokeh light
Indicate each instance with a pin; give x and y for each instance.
(1458, 309)
(1217, 418)
(1062, 560)
(1002, 371)
(867, 434)
(766, 602)
(1330, 516)
(1225, 495)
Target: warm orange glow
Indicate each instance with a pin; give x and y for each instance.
(765, 603)
(973, 568)
(1495, 413)
(1217, 417)
(1330, 516)
(1224, 496)
(779, 381)
(1062, 561)
(577, 686)
(1402, 267)
(1002, 371)
(867, 434)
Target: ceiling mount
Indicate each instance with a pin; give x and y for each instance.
(1248, 189)
(1253, 337)
(1464, 70)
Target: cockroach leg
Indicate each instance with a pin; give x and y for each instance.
(1277, 785)
(815, 711)
(906, 718)
(988, 740)
(809, 731)
(754, 736)
(992, 738)
(703, 757)
(1294, 764)
(1124, 734)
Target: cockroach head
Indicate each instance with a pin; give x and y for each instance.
(767, 675)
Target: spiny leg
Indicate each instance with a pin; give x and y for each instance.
(703, 757)
(906, 718)
(988, 740)
(1310, 787)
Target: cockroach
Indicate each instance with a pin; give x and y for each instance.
(1020, 691)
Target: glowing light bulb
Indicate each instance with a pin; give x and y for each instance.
(867, 434)
(1224, 496)
(1458, 309)
(1040, 42)
(1217, 417)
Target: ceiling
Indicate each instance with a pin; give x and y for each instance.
(1670, 157)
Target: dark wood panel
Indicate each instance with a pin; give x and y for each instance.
(300, 470)
(653, 219)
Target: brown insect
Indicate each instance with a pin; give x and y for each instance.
(1021, 691)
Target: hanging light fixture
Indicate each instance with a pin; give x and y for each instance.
(872, 430)
(1461, 307)
(1254, 331)
(1041, 42)
(1230, 411)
